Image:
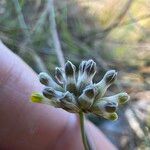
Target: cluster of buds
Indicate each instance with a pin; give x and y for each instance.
(77, 94)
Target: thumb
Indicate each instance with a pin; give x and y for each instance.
(24, 125)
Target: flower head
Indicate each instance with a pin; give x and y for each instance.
(79, 94)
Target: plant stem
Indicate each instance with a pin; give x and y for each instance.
(38, 61)
(84, 138)
(55, 37)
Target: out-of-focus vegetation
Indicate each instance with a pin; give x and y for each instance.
(116, 34)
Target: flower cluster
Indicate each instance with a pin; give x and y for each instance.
(78, 93)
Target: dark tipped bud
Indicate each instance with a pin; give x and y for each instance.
(69, 69)
(59, 75)
(68, 102)
(86, 99)
(110, 76)
(44, 78)
(90, 92)
(70, 78)
(107, 80)
(71, 87)
(68, 97)
(82, 66)
(110, 107)
(49, 92)
(85, 78)
(123, 98)
(90, 68)
(48, 81)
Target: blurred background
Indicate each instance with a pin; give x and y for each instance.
(114, 33)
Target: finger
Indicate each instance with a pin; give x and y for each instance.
(21, 122)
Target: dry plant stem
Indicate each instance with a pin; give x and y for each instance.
(54, 33)
(24, 28)
(21, 19)
(105, 32)
(121, 15)
(84, 138)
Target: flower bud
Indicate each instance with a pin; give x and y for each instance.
(59, 75)
(86, 99)
(68, 97)
(123, 98)
(89, 92)
(87, 71)
(90, 68)
(50, 93)
(44, 78)
(68, 102)
(103, 106)
(110, 116)
(37, 97)
(70, 78)
(110, 107)
(70, 69)
(82, 67)
(110, 77)
(120, 98)
(71, 87)
(48, 81)
(103, 85)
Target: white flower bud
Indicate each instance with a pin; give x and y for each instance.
(110, 77)
(87, 71)
(59, 75)
(69, 103)
(48, 81)
(103, 85)
(90, 68)
(82, 67)
(70, 78)
(104, 106)
(120, 98)
(86, 99)
(70, 69)
(109, 116)
(51, 93)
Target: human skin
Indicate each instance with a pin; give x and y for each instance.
(29, 126)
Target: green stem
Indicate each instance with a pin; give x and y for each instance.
(84, 138)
